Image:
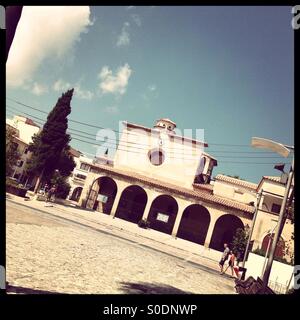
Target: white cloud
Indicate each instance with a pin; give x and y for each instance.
(83, 94)
(124, 37)
(43, 32)
(150, 93)
(61, 86)
(152, 87)
(130, 7)
(117, 83)
(39, 89)
(137, 19)
(111, 109)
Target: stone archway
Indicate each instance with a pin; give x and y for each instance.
(106, 194)
(132, 204)
(163, 213)
(194, 224)
(224, 231)
(280, 247)
(76, 194)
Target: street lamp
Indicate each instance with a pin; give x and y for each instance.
(258, 198)
(284, 151)
(272, 145)
(269, 245)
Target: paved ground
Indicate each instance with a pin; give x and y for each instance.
(47, 252)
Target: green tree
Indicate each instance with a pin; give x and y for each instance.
(66, 162)
(12, 155)
(63, 187)
(50, 147)
(239, 243)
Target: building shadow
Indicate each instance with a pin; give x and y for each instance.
(150, 288)
(23, 290)
(73, 206)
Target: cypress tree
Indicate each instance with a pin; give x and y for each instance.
(49, 147)
(12, 154)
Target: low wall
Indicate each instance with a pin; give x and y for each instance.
(20, 192)
(280, 274)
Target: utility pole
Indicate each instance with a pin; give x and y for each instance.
(279, 228)
(258, 198)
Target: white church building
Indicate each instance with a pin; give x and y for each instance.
(164, 178)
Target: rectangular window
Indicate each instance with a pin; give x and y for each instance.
(95, 170)
(84, 166)
(26, 151)
(275, 208)
(80, 176)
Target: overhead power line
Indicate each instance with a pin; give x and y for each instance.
(131, 151)
(127, 144)
(100, 127)
(130, 142)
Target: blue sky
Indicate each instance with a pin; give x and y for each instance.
(227, 70)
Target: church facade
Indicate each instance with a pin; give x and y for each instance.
(165, 179)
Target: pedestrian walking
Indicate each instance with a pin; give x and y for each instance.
(51, 193)
(231, 263)
(48, 194)
(224, 257)
(46, 189)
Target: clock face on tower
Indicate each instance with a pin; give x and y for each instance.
(156, 156)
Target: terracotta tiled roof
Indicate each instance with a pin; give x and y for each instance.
(168, 120)
(198, 194)
(238, 182)
(31, 122)
(74, 152)
(272, 178)
(205, 187)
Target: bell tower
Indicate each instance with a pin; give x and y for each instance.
(165, 125)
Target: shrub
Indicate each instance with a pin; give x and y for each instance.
(262, 252)
(144, 224)
(259, 252)
(239, 243)
(63, 190)
(63, 187)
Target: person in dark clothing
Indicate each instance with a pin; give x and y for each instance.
(224, 257)
(51, 193)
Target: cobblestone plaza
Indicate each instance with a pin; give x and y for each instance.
(50, 255)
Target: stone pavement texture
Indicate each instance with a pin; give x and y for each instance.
(68, 250)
